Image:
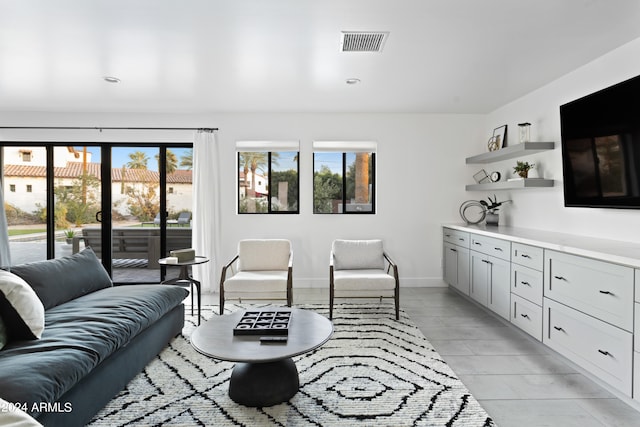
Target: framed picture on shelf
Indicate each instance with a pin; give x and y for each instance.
(500, 136)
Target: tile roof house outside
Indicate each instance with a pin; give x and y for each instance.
(19, 177)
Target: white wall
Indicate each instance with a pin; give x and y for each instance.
(420, 180)
(544, 208)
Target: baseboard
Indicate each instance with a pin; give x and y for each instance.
(405, 282)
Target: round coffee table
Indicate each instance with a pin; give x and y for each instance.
(264, 374)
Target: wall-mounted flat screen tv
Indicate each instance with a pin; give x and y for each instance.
(601, 148)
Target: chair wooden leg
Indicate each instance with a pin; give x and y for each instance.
(221, 302)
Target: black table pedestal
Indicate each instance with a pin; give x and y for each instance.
(264, 384)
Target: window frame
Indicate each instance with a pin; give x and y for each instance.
(269, 179)
(372, 173)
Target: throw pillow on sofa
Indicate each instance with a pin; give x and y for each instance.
(56, 281)
(20, 308)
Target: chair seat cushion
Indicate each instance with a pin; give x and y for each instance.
(257, 281)
(363, 280)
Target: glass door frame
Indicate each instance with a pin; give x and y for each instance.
(106, 223)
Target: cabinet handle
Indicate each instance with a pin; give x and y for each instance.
(526, 283)
(607, 292)
(498, 249)
(558, 328)
(560, 278)
(525, 256)
(525, 316)
(485, 261)
(461, 239)
(447, 235)
(477, 243)
(453, 250)
(606, 353)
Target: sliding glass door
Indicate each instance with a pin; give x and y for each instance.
(55, 194)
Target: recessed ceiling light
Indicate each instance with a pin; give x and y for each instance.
(353, 81)
(111, 79)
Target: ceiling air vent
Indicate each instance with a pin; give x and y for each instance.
(362, 41)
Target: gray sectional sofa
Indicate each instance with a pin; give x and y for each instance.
(96, 337)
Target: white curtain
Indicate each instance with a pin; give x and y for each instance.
(206, 208)
(5, 255)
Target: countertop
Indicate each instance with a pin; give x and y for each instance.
(616, 251)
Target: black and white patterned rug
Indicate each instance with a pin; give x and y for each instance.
(375, 371)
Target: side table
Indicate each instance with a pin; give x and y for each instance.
(185, 279)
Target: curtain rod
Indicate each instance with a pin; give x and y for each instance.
(101, 128)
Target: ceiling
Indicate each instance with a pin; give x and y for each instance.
(190, 56)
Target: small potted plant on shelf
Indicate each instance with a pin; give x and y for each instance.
(523, 168)
(69, 234)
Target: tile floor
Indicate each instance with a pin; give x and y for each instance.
(519, 381)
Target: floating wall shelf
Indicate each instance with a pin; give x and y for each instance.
(511, 152)
(511, 185)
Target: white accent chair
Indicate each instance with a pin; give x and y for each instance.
(357, 270)
(264, 270)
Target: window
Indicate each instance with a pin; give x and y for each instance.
(29, 188)
(12, 188)
(344, 177)
(26, 155)
(268, 177)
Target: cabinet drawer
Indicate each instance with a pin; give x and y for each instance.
(455, 237)
(529, 256)
(490, 246)
(602, 349)
(527, 283)
(636, 376)
(636, 327)
(526, 316)
(600, 289)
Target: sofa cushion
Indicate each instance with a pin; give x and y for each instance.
(60, 280)
(79, 335)
(263, 255)
(357, 254)
(20, 308)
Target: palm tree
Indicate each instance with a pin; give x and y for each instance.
(139, 160)
(252, 161)
(186, 161)
(172, 161)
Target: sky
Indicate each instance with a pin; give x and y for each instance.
(120, 155)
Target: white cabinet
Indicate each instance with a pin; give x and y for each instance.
(456, 267)
(490, 275)
(636, 340)
(526, 316)
(603, 349)
(581, 302)
(456, 259)
(600, 289)
(527, 263)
